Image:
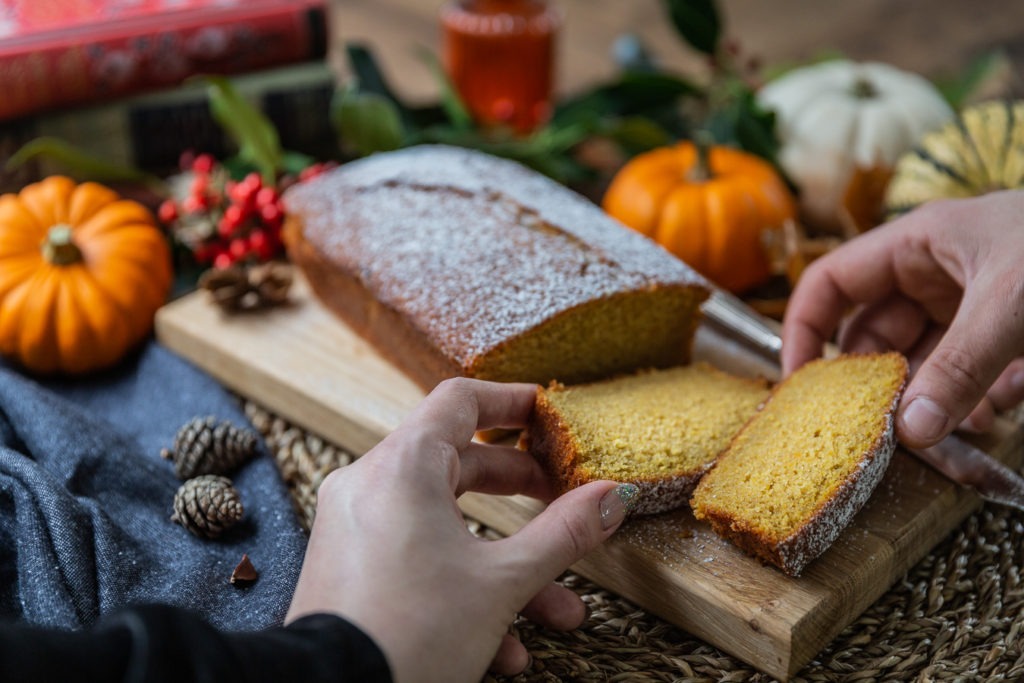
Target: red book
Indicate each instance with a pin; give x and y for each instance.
(56, 53)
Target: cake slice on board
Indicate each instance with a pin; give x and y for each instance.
(659, 429)
(800, 469)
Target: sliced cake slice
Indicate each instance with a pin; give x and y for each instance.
(799, 470)
(658, 429)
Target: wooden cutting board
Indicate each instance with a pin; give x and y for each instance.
(304, 364)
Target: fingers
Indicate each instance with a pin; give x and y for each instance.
(979, 344)
(503, 471)
(511, 657)
(981, 419)
(569, 528)
(1008, 390)
(859, 272)
(894, 323)
(556, 607)
(812, 315)
(458, 407)
(443, 424)
(1005, 394)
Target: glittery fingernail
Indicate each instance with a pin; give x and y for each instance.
(617, 503)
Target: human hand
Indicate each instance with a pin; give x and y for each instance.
(390, 551)
(944, 284)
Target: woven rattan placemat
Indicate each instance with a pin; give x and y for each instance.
(956, 616)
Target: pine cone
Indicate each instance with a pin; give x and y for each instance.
(205, 446)
(248, 288)
(207, 505)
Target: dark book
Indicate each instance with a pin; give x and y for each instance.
(151, 131)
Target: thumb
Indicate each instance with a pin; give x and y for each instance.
(570, 527)
(955, 376)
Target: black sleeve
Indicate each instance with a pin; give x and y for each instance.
(158, 643)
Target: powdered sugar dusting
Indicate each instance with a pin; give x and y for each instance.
(495, 247)
(824, 528)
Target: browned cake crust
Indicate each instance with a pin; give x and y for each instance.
(451, 262)
(793, 554)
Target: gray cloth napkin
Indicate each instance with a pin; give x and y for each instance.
(85, 501)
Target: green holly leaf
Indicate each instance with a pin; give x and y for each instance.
(697, 21)
(255, 135)
(452, 104)
(632, 94)
(370, 79)
(637, 134)
(367, 122)
(958, 89)
(82, 165)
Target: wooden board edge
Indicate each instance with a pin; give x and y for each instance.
(290, 404)
(817, 629)
(767, 645)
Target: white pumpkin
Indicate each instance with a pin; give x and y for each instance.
(838, 116)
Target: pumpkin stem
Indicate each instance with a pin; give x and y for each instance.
(863, 89)
(701, 170)
(58, 247)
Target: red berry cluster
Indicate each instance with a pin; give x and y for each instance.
(224, 222)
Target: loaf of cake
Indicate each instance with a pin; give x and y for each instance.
(658, 429)
(801, 468)
(452, 262)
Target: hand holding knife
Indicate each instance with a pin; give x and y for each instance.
(954, 457)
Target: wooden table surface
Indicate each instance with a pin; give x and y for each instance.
(932, 37)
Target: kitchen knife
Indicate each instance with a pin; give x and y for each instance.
(954, 457)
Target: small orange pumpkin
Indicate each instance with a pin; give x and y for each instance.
(708, 205)
(82, 273)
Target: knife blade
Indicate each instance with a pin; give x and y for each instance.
(953, 457)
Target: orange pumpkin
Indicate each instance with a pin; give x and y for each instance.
(82, 273)
(709, 206)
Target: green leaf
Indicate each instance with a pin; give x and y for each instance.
(697, 21)
(637, 134)
(755, 128)
(254, 134)
(546, 151)
(367, 122)
(959, 88)
(453, 105)
(295, 162)
(367, 73)
(80, 164)
(632, 94)
(742, 123)
(369, 78)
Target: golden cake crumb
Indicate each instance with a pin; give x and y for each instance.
(796, 474)
(659, 429)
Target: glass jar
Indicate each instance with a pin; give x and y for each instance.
(500, 57)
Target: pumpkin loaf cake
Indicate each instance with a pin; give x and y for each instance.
(799, 470)
(452, 262)
(658, 429)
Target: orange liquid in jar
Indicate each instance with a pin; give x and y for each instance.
(499, 55)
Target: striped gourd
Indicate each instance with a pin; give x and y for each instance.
(980, 151)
